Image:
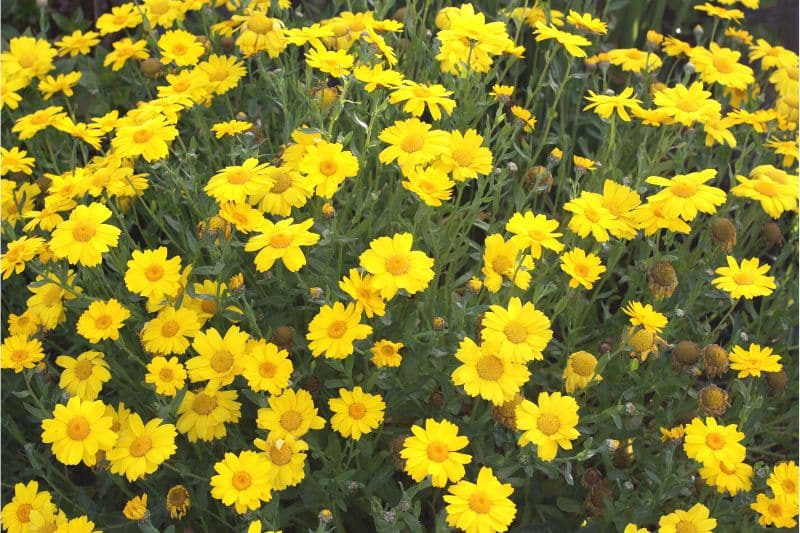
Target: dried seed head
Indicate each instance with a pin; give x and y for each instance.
(715, 360)
(723, 233)
(713, 400)
(504, 414)
(662, 279)
(772, 234)
(685, 353)
(283, 337)
(776, 381)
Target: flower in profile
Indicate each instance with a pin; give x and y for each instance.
(334, 330)
(266, 367)
(501, 92)
(15, 160)
(337, 63)
(550, 424)
(572, 43)
(141, 448)
(634, 60)
(535, 232)
(282, 240)
(47, 301)
(433, 451)
(674, 434)
(18, 253)
(412, 143)
(580, 371)
(778, 511)
(710, 442)
(376, 76)
(289, 413)
(83, 238)
(102, 320)
(203, 414)
(327, 165)
(123, 50)
(29, 125)
(686, 195)
(746, 280)
(774, 189)
(525, 117)
(787, 148)
(430, 184)
(362, 289)
(696, 519)
(241, 480)
(285, 460)
(27, 501)
(136, 509)
(178, 502)
(519, 332)
(485, 373)
(83, 376)
(386, 353)
(720, 12)
(168, 375)
(605, 105)
(586, 22)
(417, 96)
(78, 430)
(394, 265)
(730, 478)
(356, 413)
(505, 260)
(62, 83)
(482, 506)
(688, 105)
(754, 360)
(20, 352)
(645, 316)
(583, 269)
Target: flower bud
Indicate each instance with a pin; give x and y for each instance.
(723, 233)
(685, 353)
(151, 67)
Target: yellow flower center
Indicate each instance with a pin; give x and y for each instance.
(208, 306)
(489, 367)
(581, 270)
(280, 453)
(437, 451)
(413, 142)
(767, 188)
(83, 369)
(142, 136)
(789, 486)
(592, 214)
(328, 167)
(241, 480)
(642, 341)
(357, 411)
(154, 272)
(82, 232)
(387, 350)
(170, 328)
(724, 468)
(217, 74)
(515, 332)
(463, 156)
(688, 105)
(280, 240)
(549, 424)
(428, 186)
(159, 7)
(141, 445)
(685, 527)
(684, 189)
(19, 355)
(267, 369)
(166, 374)
(282, 182)
(775, 509)
(178, 49)
(583, 364)
(291, 420)
(744, 278)
(258, 23)
(204, 404)
(501, 264)
(715, 441)
(221, 361)
(536, 235)
(24, 512)
(396, 264)
(78, 428)
(177, 496)
(102, 322)
(723, 64)
(337, 329)
(479, 502)
(52, 296)
(27, 61)
(238, 176)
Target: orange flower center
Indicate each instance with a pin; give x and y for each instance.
(141, 445)
(83, 369)
(181, 85)
(437, 451)
(267, 369)
(723, 64)
(744, 278)
(396, 264)
(684, 189)
(549, 424)
(387, 350)
(221, 361)
(291, 420)
(489, 367)
(685, 527)
(501, 264)
(282, 182)
(19, 355)
(166, 374)
(337, 329)
(515, 332)
(102, 322)
(789, 486)
(208, 306)
(328, 167)
(78, 428)
(280, 453)
(715, 441)
(142, 136)
(479, 503)
(179, 49)
(154, 272)
(238, 176)
(767, 188)
(170, 328)
(280, 240)
(204, 404)
(413, 142)
(27, 61)
(357, 411)
(592, 214)
(463, 156)
(24, 512)
(775, 509)
(82, 232)
(241, 480)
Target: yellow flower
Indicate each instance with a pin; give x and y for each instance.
(266, 367)
(125, 49)
(754, 360)
(519, 332)
(148, 139)
(685, 195)
(486, 373)
(78, 430)
(152, 275)
(375, 76)
(431, 185)
(687, 105)
(168, 376)
(19, 352)
(634, 60)
(775, 189)
(784, 480)
(525, 116)
(730, 478)
(219, 359)
(466, 157)
(572, 43)
(482, 506)
(77, 43)
(356, 413)
(417, 96)
(83, 376)
(282, 240)
(580, 371)
(586, 22)
(535, 232)
(605, 105)
(27, 58)
(549, 425)
(333, 331)
(83, 238)
(645, 316)
(136, 509)
(584, 269)
(672, 434)
(720, 65)
(27, 502)
(285, 460)
(778, 511)
(181, 47)
(141, 448)
(394, 265)
(102, 320)
(63, 83)
(168, 332)
(231, 127)
(241, 481)
(203, 414)
(336, 63)
(715, 11)
(289, 413)
(505, 259)
(47, 302)
(31, 124)
(223, 73)
(363, 290)
(747, 280)
(412, 143)
(710, 442)
(433, 451)
(24, 325)
(327, 165)
(590, 215)
(236, 182)
(15, 160)
(386, 353)
(178, 502)
(120, 17)
(653, 216)
(18, 253)
(696, 519)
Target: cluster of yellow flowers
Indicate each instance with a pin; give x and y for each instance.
(149, 313)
